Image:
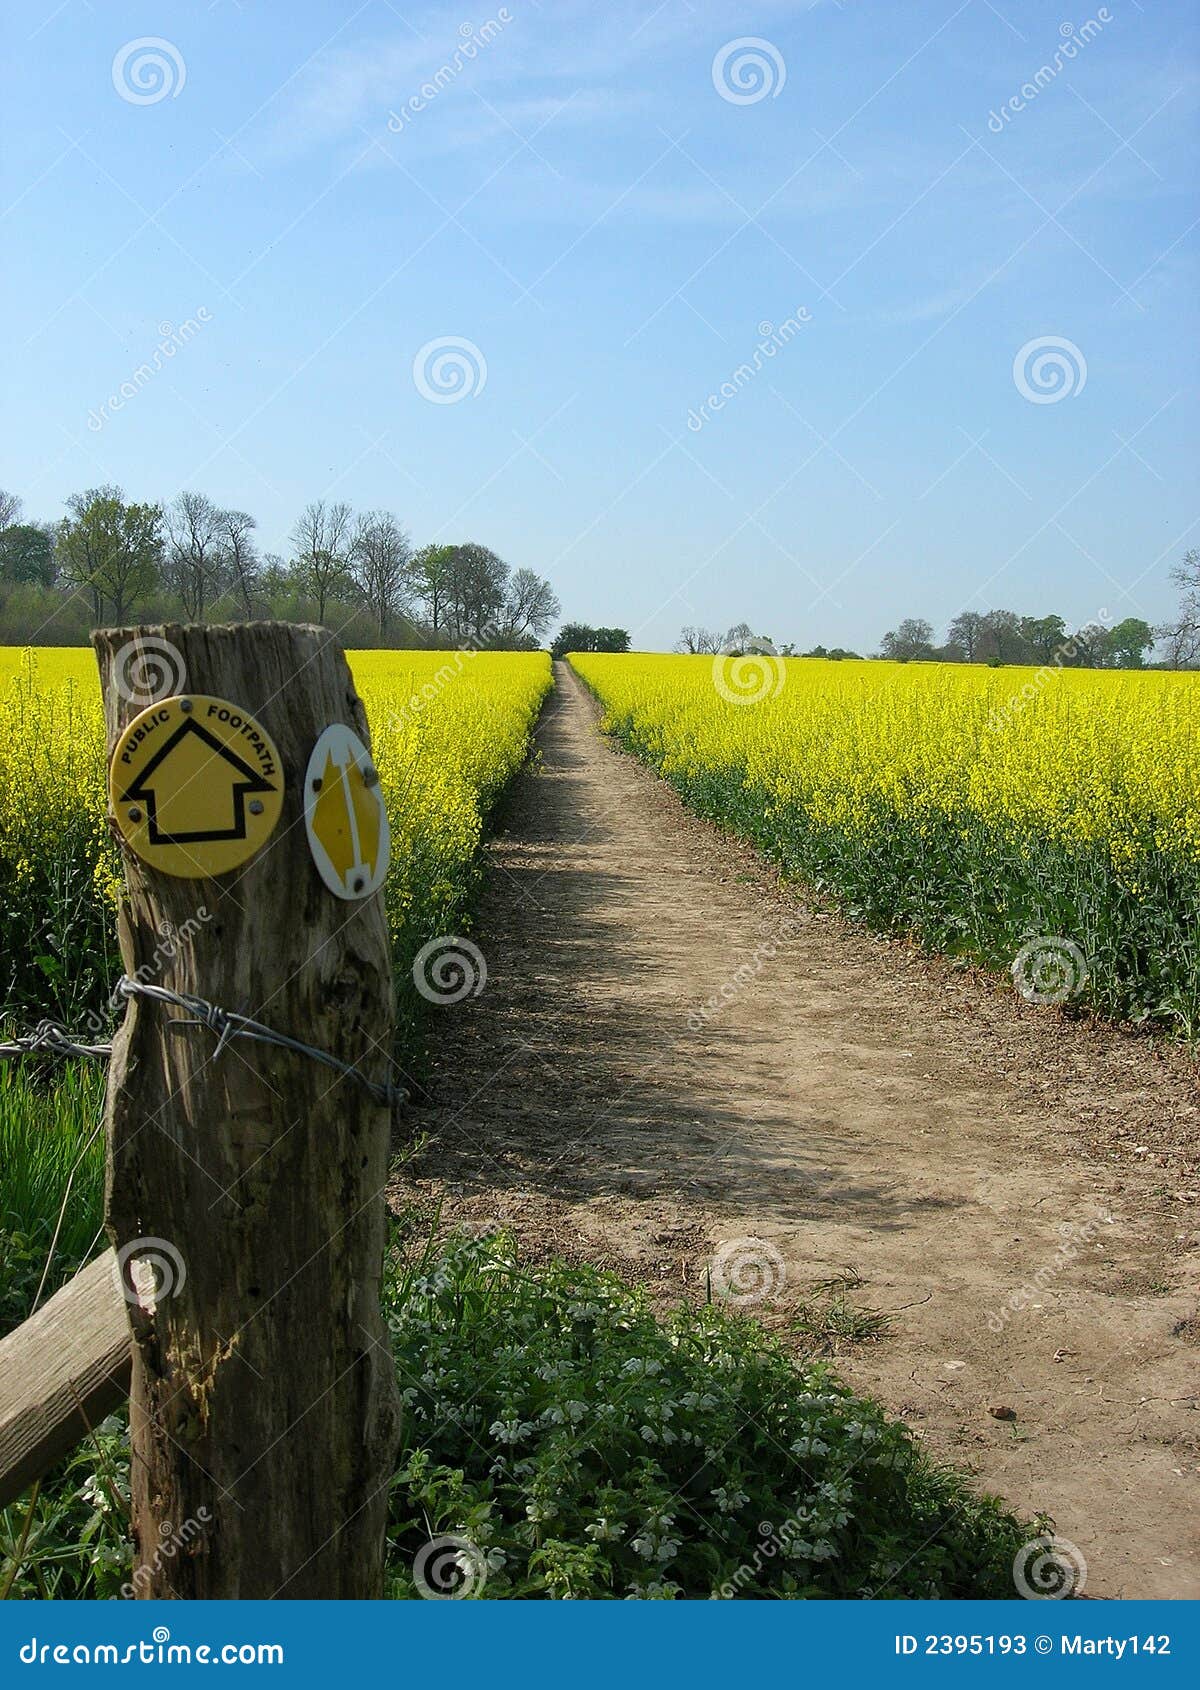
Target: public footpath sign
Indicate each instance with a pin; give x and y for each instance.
(195, 786)
(730, 1645)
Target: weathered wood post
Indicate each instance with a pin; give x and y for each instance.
(244, 1191)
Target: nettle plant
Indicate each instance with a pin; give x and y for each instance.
(559, 1442)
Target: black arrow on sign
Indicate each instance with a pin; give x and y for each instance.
(242, 779)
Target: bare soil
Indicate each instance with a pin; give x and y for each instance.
(857, 1107)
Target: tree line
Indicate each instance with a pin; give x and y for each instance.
(1000, 637)
(113, 560)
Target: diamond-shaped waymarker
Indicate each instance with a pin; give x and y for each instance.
(195, 786)
(347, 824)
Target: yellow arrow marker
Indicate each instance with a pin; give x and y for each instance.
(195, 786)
(344, 815)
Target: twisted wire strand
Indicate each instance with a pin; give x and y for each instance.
(51, 1038)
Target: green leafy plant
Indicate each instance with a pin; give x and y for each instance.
(567, 1444)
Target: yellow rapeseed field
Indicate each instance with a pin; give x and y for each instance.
(986, 809)
(449, 729)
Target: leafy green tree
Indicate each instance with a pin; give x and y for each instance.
(1127, 643)
(430, 572)
(573, 636)
(911, 641)
(1046, 636)
(27, 555)
(577, 636)
(111, 549)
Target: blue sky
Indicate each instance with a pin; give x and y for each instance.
(611, 235)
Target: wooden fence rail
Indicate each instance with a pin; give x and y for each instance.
(61, 1373)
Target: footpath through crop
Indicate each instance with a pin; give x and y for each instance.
(682, 1071)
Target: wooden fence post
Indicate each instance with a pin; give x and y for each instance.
(244, 1189)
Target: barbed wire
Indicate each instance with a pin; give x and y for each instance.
(51, 1038)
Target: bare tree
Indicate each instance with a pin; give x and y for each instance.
(967, 632)
(322, 538)
(10, 509)
(530, 606)
(380, 556)
(195, 552)
(698, 641)
(1181, 638)
(241, 562)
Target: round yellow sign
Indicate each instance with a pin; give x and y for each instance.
(195, 786)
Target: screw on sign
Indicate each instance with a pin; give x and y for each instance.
(196, 786)
(344, 815)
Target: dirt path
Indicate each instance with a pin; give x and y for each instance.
(847, 1104)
